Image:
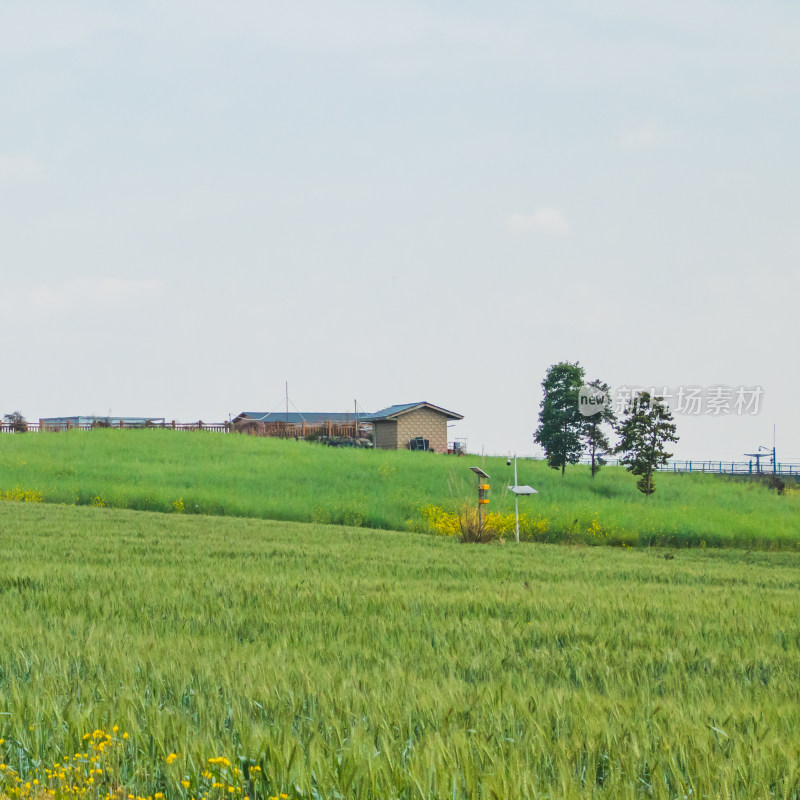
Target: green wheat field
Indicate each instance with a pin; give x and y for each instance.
(353, 663)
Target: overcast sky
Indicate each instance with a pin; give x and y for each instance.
(400, 201)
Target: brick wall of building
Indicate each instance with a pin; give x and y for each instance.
(385, 434)
(424, 422)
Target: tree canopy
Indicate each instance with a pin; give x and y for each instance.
(645, 431)
(560, 419)
(593, 431)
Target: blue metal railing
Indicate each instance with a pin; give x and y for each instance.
(789, 468)
(733, 467)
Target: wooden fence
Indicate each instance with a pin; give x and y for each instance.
(277, 429)
(305, 430)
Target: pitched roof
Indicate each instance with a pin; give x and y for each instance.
(296, 418)
(392, 412)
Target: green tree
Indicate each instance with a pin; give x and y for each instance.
(593, 430)
(17, 422)
(560, 419)
(645, 430)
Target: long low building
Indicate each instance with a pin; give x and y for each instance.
(297, 418)
(60, 423)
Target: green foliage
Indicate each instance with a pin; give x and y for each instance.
(560, 420)
(593, 429)
(360, 664)
(16, 421)
(645, 430)
(475, 528)
(244, 476)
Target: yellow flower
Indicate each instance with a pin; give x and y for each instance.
(185, 784)
(171, 757)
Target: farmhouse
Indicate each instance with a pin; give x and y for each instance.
(418, 426)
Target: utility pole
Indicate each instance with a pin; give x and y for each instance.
(483, 487)
(516, 497)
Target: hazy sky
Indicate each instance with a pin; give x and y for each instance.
(400, 201)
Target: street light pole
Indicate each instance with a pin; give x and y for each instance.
(518, 490)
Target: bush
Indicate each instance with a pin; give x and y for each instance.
(17, 422)
(776, 483)
(475, 529)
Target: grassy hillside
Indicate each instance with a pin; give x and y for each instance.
(266, 478)
(351, 663)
